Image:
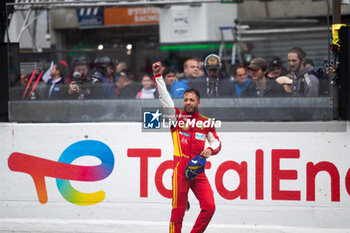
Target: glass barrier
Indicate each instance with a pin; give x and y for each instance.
(102, 53)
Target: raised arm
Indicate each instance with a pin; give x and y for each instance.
(163, 93)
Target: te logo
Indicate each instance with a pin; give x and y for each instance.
(64, 171)
(151, 120)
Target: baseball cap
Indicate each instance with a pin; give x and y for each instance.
(195, 167)
(212, 61)
(276, 62)
(80, 60)
(124, 74)
(103, 62)
(258, 63)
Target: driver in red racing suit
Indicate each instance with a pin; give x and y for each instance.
(189, 130)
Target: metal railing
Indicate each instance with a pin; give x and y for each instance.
(42, 4)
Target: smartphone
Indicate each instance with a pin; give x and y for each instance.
(325, 65)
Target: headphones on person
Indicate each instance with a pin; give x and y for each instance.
(216, 57)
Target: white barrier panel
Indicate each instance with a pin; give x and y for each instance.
(111, 177)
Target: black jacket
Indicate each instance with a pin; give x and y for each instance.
(272, 89)
(221, 88)
(59, 91)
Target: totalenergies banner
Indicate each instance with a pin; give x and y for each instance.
(131, 16)
(105, 177)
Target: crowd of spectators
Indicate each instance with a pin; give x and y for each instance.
(104, 78)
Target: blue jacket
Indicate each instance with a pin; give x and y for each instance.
(179, 87)
(240, 88)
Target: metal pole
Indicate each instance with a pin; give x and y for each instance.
(328, 30)
(336, 11)
(336, 19)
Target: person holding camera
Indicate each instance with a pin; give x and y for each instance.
(85, 84)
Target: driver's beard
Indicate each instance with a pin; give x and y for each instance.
(193, 110)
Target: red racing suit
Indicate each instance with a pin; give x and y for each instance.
(189, 134)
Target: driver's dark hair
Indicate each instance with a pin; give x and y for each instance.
(192, 90)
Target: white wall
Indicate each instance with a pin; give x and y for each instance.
(179, 24)
(123, 210)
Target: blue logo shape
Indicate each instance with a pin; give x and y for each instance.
(152, 120)
(90, 17)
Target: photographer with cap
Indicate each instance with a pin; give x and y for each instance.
(212, 86)
(262, 86)
(79, 65)
(83, 84)
(189, 153)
